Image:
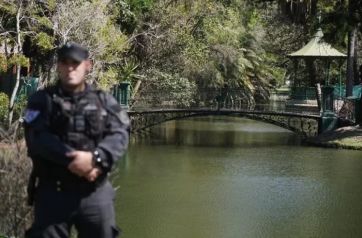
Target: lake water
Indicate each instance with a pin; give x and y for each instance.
(221, 177)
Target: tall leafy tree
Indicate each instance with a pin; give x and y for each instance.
(15, 15)
(32, 30)
(343, 18)
(212, 43)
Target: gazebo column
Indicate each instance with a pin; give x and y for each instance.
(295, 76)
(312, 71)
(329, 118)
(294, 81)
(327, 75)
(340, 65)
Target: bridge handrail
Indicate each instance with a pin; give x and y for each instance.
(223, 111)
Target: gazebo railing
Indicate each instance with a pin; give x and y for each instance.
(303, 93)
(345, 108)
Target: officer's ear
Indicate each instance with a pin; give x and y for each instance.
(89, 65)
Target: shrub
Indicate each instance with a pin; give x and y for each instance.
(4, 102)
(15, 168)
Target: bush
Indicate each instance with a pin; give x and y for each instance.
(4, 102)
(15, 168)
(162, 89)
(20, 106)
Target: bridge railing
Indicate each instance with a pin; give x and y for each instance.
(213, 99)
(280, 108)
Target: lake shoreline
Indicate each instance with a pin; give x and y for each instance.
(342, 138)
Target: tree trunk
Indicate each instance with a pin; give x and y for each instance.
(136, 88)
(319, 96)
(355, 61)
(352, 35)
(13, 94)
(18, 66)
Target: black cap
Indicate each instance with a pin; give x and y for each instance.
(72, 51)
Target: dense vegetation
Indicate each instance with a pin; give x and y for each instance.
(190, 49)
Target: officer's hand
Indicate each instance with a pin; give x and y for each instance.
(93, 174)
(82, 162)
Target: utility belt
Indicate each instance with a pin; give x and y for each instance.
(79, 186)
(83, 187)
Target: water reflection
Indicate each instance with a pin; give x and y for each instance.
(218, 131)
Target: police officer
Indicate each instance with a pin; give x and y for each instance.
(75, 134)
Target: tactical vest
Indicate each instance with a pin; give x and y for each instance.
(80, 120)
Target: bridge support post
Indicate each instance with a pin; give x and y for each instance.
(329, 120)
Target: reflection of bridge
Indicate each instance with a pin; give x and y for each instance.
(304, 124)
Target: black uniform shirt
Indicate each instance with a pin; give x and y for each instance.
(49, 149)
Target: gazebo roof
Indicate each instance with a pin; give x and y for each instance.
(317, 48)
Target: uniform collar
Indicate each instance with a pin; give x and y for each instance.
(77, 95)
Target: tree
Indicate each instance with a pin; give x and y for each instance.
(13, 30)
(35, 29)
(207, 43)
(352, 65)
(342, 19)
(97, 31)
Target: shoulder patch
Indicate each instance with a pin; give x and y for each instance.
(31, 115)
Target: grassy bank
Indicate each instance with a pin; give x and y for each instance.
(14, 173)
(342, 138)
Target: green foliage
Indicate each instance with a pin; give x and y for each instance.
(127, 72)
(20, 105)
(51, 4)
(211, 43)
(127, 13)
(227, 29)
(44, 41)
(139, 6)
(107, 78)
(8, 7)
(44, 22)
(4, 104)
(165, 89)
(115, 43)
(252, 18)
(338, 18)
(3, 63)
(122, 15)
(182, 90)
(208, 43)
(19, 59)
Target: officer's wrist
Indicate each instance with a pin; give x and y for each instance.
(99, 160)
(96, 159)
